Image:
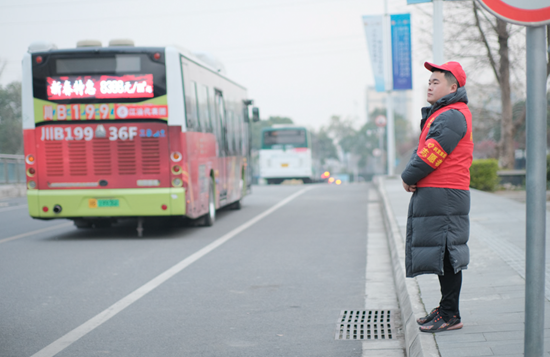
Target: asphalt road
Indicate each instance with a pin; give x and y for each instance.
(274, 288)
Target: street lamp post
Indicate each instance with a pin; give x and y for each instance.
(437, 42)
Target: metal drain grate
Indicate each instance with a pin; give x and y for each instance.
(365, 325)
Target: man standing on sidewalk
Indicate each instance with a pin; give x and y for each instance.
(438, 174)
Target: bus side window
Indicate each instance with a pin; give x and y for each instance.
(189, 97)
(191, 105)
(221, 120)
(246, 127)
(230, 130)
(236, 130)
(239, 132)
(200, 118)
(204, 108)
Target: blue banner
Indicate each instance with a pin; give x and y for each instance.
(401, 51)
(374, 31)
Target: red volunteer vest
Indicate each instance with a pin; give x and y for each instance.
(451, 170)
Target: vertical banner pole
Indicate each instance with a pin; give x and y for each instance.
(381, 132)
(390, 130)
(437, 45)
(536, 192)
(388, 81)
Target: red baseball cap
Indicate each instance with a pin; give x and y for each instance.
(454, 67)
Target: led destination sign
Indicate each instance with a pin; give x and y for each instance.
(100, 87)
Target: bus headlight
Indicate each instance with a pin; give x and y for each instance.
(31, 171)
(177, 182)
(31, 185)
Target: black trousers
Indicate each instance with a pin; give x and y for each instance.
(450, 290)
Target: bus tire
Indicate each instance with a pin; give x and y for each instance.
(210, 217)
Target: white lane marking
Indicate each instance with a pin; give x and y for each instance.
(12, 208)
(34, 232)
(79, 332)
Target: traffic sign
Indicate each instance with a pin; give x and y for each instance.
(520, 12)
(380, 121)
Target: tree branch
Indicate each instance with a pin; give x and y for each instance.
(489, 53)
(488, 20)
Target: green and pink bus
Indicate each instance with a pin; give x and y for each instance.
(125, 131)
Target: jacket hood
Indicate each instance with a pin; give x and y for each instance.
(455, 97)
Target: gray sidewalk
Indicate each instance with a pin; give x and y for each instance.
(492, 299)
(13, 190)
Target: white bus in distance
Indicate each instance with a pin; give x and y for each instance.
(285, 154)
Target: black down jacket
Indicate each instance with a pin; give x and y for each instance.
(438, 218)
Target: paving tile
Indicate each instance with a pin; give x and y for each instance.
(465, 352)
(459, 337)
(504, 336)
(507, 349)
(475, 328)
(483, 318)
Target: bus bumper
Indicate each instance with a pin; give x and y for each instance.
(122, 202)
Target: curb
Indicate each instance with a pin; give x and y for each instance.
(417, 344)
(17, 190)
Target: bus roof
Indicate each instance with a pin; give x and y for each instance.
(134, 49)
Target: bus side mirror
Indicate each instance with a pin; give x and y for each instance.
(255, 114)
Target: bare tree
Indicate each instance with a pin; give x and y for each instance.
(3, 64)
(502, 76)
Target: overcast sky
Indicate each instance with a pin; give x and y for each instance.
(304, 59)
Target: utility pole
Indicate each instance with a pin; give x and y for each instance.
(437, 44)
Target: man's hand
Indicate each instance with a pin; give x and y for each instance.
(409, 188)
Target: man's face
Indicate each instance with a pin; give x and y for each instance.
(438, 87)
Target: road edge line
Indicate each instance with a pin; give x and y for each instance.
(12, 208)
(23, 235)
(74, 335)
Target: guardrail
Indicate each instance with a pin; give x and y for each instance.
(12, 169)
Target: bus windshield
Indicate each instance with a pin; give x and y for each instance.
(284, 138)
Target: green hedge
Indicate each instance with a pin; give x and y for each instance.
(483, 174)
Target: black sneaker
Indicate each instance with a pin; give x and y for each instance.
(429, 317)
(439, 325)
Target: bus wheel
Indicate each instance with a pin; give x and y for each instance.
(210, 217)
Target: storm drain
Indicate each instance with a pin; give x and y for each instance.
(365, 325)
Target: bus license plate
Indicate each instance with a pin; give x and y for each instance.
(98, 203)
(284, 165)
